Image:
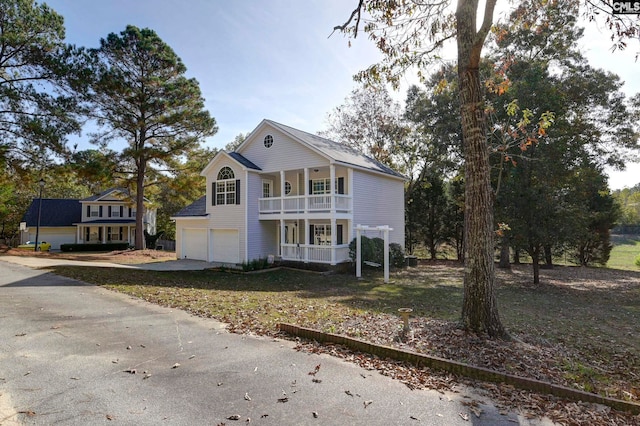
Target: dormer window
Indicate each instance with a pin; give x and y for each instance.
(226, 189)
(268, 141)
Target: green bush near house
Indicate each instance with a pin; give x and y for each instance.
(255, 265)
(637, 262)
(372, 250)
(93, 247)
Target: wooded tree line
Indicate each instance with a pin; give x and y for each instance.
(147, 119)
(554, 123)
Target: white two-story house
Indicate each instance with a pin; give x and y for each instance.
(288, 193)
(109, 217)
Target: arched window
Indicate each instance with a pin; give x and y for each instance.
(226, 190)
(225, 173)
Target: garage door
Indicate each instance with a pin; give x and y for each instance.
(226, 245)
(55, 238)
(194, 244)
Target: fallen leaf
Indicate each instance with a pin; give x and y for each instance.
(234, 417)
(146, 376)
(264, 416)
(130, 370)
(367, 403)
(315, 370)
(176, 365)
(348, 393)
(128, 348)
(29, 413)
(414, 418)
(464, 416)
(115, 361)
(192, 357)
(75, 378)
(21, 334)
(285, 399)
(247, 397)
(220, 383)
(316, 380)
(109, 417)
(315, 414)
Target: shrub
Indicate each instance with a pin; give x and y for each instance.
(638, 261)
(255, 264)
(373, 251)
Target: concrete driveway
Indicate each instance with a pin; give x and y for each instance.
(76, 354)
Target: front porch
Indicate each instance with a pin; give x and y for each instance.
(309, 253)
(314, 240)
(106, 232)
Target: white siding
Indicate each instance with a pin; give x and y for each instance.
(284, 154)
(379, 201)
(262, 234)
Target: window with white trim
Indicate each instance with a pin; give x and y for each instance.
(266, 188)
(225, 187)
(322, 234)
(268, 141)
(323, 186)
(287, 188)
(115, 211)
(94, 211)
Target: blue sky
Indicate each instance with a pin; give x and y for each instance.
(273, 59)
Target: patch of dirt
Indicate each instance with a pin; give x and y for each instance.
(116, 256)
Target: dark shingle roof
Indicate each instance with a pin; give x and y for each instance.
(242, 160)
(55, 212)
(103, 193)
(197, 208)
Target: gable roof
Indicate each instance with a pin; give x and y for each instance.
(197, 208)
(107, 192)
(235, 156)
(55, 212)
(242, 160)
(338, 152)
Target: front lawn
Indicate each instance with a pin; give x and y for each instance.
(580, 328)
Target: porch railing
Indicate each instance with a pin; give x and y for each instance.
(305, 203)
(314, 253)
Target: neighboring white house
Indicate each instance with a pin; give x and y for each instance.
(288, 193)
(109, 217)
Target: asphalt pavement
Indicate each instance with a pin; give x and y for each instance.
(77, 354)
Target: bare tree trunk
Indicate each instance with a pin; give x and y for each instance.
(479, 308)
(139, 243)
(504, 254)
(535, 260)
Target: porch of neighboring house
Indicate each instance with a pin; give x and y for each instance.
(314, 240)
(106, 232)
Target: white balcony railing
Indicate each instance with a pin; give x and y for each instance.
(309, 203)
(315, 253)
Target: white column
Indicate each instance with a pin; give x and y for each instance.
(306, 191)
(282, 177)
(332, 187)
(104, 234)
(307, 239)
(386, 254)
(77, 234)
(281, 236)
(334, 239)
(350, 189)
(358, 252)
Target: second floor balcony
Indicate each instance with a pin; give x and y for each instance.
(301, 204)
